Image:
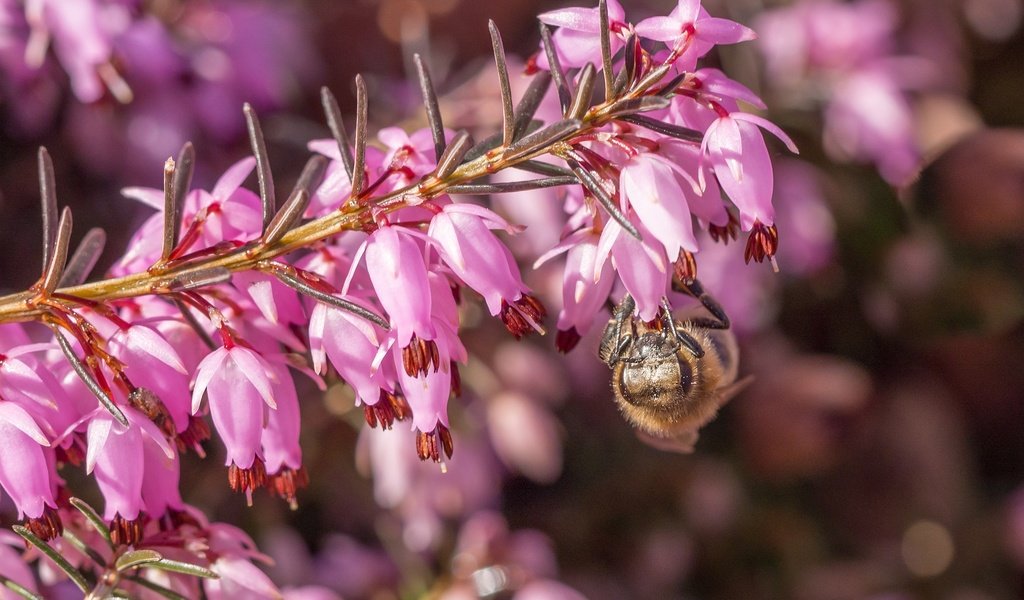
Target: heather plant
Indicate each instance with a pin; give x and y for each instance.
(225, 296)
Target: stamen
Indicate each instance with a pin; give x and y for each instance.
(126, 532)
(431, 445)
(762, 242)
(247, 480)
(287, 482)
(523, 315)
(46, 526)
(419, 355)
(685, 267)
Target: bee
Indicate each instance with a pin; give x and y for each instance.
(670, 376)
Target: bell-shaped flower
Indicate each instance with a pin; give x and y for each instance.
(736, 149)
(476, 255)
(642, 266)
(116, 457)
(280, 441)
(578, 38)
(351, 343)
(152, 363)
(237, 381)
(413, 152)
(585, 286)
(657, 189)
(399, 276)
(691, 30)
(25, 473)
(160, 478)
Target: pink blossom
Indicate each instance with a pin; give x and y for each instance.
(644, 270)
(280, 439)
(586, 284)
(476, 255)
(25, 473)
(351, 343)
(737, 152)
(399, 274)
(658, 191)
(577, 39)
(116, 456)
(152, 363)
(237, 381)
(691, 30)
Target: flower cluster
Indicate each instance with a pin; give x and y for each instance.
(843, 52)
(223, 297)
(146, 76)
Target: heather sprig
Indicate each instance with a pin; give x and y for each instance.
(225, 295)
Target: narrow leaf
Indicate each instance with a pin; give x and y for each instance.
(183, 170)
(669, 89)
(584, 93)
(493, 141)
(638, 105)
(359, 167)
(543, 168)
(431, 104)
(93, 517)
(631, 58)
(606, 50)
(83, 373)
(557, 74)
(543, 138)
(199, 278)
(170, 209)
(59, 257)
(312, 174)
(453, 155)
(530, 102)
(682, 133)
(289, 214)
(296, 283)
(507, 116)
(73, 574)
(75, 542)
(337, 126)
(513, 186)
(176, 566)
(263, 174)
(48, 197)
(84, 259)
(137, 558)
(19, 589)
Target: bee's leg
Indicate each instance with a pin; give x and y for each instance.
(685, 339)
(622, 312)
(695, 289)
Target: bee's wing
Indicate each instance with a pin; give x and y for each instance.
(728, 392)
(683, 442)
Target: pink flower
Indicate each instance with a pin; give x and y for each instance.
(280, 440)
(577, 39)
(152, 363)
(644, 269)
(399, 275)
(690, 30)
(25, 472)
(336, 185)
(237, 381)
(737, 152)
(485, 264)
(586, 285)
(658, 190)
(116, 456)
(351, 343)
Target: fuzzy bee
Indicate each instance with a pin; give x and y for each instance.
(671, 376)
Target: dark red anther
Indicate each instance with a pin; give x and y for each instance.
(287, 482)
(247, 480)
(762, 242)
(685, 267)
(46, 526)
(126, 532)
(566, 339)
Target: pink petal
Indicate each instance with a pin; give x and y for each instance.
(255, 370)
(148, 196)
(724, 31)
(147, 341)
(575, 18)
(660, 29)
(207, 369)
(768, 126)
(233, 178)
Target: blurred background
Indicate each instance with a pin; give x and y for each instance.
(879, 451)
